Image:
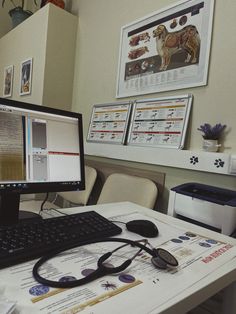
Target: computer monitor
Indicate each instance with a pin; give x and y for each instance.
(41, 150)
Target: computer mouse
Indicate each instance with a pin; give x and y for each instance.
(144, 228)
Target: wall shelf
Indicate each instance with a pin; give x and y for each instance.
(186, 159)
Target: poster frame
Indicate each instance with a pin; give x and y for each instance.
(144, 75)
(127, 105)
(161, 103)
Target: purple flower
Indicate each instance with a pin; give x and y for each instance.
(212, 132)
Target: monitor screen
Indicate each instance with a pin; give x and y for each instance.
(41, 150)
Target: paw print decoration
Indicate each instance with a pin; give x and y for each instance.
(194, 160)
(219, 163)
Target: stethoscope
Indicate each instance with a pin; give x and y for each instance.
(160, 258)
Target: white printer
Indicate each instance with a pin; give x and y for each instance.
(208, 205)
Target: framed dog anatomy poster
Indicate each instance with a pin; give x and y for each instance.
(167, 50)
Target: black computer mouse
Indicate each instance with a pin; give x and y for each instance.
(144, 228)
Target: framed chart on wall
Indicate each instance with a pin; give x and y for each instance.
(167, 50)
(160, 122)
(109, 123)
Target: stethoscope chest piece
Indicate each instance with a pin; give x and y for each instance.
(163, 259)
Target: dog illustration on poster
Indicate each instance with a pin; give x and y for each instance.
(169, 43)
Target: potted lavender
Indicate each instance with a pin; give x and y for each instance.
(211, 136)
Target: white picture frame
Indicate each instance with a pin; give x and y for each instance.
(26, 76)
(8, 81)
(109, 123)
(160, 122)
(148, 59)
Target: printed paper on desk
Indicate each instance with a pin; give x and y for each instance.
(112, 292)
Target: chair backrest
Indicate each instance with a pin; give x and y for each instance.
(82, 197)
(120, 187)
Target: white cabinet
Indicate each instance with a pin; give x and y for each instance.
(49, 37)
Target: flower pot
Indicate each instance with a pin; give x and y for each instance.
(18, 15)
(210, 145)
(59, 3)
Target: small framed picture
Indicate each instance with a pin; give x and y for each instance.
(25, 76)
(8, 81)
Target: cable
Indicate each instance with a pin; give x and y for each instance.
(117, 221)
(55, 198)
(58, 211)
(44, 201)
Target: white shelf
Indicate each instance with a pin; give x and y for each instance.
(193, 160)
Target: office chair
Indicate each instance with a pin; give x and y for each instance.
(120, 187)
(69, 199)
(81, 198)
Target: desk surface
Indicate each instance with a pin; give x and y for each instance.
(146, 297)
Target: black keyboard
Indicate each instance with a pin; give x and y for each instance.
(31, 239)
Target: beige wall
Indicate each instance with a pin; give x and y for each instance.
(5, 20)
(96, 68)
(96, 58)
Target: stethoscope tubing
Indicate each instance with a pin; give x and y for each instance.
(99, 272)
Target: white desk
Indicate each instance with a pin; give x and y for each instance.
(224, 276)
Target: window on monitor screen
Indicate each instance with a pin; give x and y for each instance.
(41, 150)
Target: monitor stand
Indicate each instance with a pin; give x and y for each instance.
(23, 214)
(9, 209)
